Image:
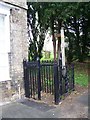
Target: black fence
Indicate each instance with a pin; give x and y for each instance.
(48, 77)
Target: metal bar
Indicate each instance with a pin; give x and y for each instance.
(73, 82)
(66, 80)
(56, 84)
(47, 78)
(44, 79)
(31, 81)
(60, 69)
(52, 71)
(41, 77)
(29, 64)
(39, 80)
(47, 64)
(26, 80)
(36, 81)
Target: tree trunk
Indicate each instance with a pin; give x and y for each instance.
(78, 50)
(59, 40)
(53, 37)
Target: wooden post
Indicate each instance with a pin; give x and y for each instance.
(62, 47)
(63, 52)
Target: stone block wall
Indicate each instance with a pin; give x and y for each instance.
(14, 88)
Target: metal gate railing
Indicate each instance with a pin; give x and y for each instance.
(48, 77)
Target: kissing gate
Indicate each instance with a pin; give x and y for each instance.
(48, 77)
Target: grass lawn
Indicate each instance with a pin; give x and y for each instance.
(81, 74)
(81, 79)
(81, 71)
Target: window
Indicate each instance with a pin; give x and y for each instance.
(4, 42)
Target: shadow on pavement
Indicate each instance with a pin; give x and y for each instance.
(40, 106)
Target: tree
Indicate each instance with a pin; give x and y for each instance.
(76, 20)
(76, 25)
(37, 30)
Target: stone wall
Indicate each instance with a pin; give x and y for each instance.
(13, 89)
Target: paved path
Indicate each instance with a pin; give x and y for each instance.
(30, 109)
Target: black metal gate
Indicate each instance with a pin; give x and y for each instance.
(48, 77)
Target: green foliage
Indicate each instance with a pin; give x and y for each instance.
(77, 30)
(75, 17)
(37, 29)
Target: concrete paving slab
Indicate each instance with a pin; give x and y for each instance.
(31, 109)
(18, 110)
(83, 99)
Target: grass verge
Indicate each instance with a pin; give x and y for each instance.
(81, 74)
